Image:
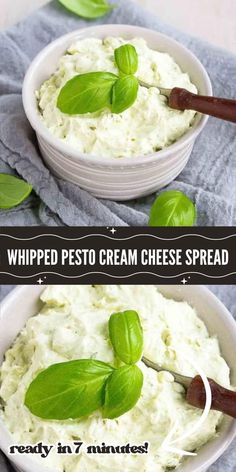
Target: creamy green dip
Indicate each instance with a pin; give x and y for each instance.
(74, 324)
(148, 126)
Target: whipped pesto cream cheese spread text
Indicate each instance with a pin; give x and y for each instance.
(73, 324)
(148, 126)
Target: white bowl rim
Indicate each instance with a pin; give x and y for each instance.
(227, 439)
(66, 149)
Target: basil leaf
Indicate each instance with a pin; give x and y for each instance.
(88, 8)
(68, 390)
(127, 59)
(13, 191)
(123, 390)
(124, 93)
(172, 208)
(86, 93)
(126, 336)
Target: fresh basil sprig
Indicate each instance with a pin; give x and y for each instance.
(89, 9)
(126, 336)
(126, 58)
(123, 390)
(172, 208)
(94, 91)
(68, 390)
(124, 93)
(77, 388)
(13, 191)
(86, 93)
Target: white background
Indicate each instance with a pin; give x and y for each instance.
(214, 20)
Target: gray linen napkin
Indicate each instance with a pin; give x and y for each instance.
(227, 462)
(209, 177)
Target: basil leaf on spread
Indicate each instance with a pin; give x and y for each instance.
(94, 91)
(13, 191)
(124, 93)
(172, 208)
(126, 336)
(126, 58)
(68, 390)
(86, 93)
(123, 390)
(89, 9)
(75, 389)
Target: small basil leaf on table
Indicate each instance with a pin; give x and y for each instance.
(123, 390)
(68, 390)
(86, 93)
(124, 93)
(126, 336)
(88, 8)
(172, 208)
(126, 58)
(13, 191)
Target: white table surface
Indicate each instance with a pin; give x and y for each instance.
(213, 20)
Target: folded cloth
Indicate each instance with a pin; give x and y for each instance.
(227, 462)
(209, 178)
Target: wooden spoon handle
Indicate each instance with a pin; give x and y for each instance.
(222, 399)
(181, 99)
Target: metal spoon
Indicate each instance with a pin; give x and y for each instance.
(181, 99)
(222, 399)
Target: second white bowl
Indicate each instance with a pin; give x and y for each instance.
(116, 179)
(216, 317)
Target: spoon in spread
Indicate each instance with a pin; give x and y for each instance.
(222, 399)
(181, 99)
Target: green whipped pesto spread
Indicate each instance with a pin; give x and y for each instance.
(148, 126)
(73, 324)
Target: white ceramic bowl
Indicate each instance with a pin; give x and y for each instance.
(210, 309)
(117, 179)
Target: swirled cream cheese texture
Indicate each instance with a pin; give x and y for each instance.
(74, 324)
(148, 126)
